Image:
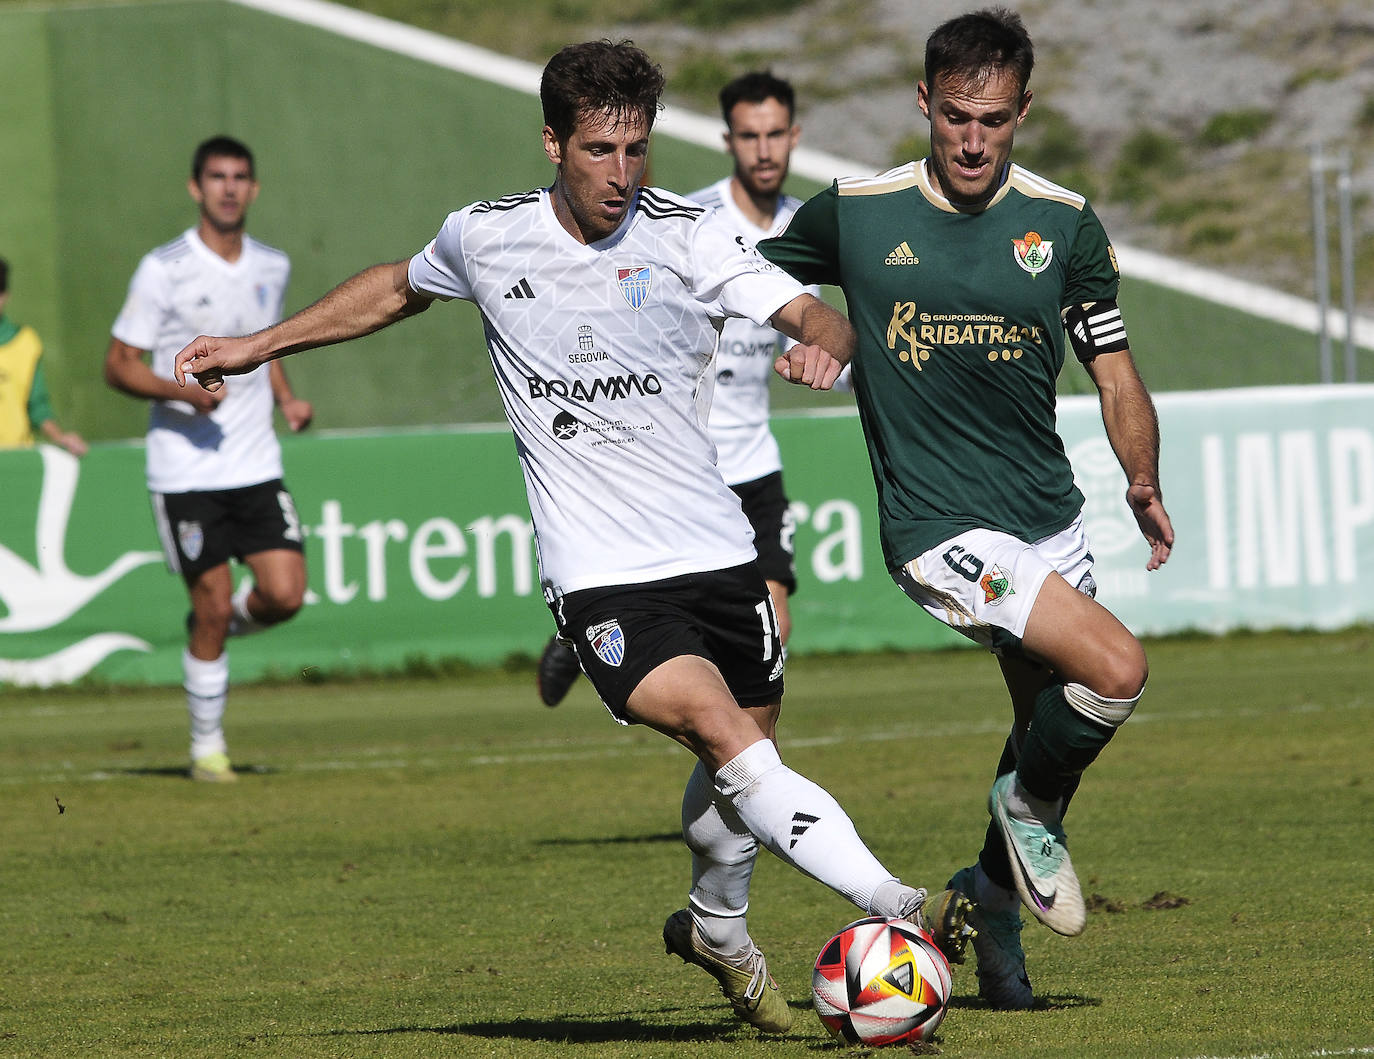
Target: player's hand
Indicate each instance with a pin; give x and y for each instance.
(297, 413)
(210, 359)
(808, 366)
(72, 442)
(1153, 521)
(205, 401)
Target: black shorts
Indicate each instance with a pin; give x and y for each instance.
(201, 530)
(775, 529)
(624, 632)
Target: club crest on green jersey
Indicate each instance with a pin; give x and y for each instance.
(1032, 253)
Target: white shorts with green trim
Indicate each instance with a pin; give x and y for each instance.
(983, 583)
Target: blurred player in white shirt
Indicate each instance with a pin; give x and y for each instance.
(213, 460)
(601, 302)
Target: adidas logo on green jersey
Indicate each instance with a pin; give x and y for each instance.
(902, 255)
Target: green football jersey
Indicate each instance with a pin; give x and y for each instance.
(960, 343)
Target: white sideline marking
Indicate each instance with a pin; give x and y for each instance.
(1367, 1050)
(556, 751)
(450, 54)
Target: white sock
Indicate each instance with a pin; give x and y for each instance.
(1025, 806)
(800, 822)
(207, 688)
(242, 623)
(723, 855)
(894, 899)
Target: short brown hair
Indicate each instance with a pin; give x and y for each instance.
(599, 77)
(975, 45)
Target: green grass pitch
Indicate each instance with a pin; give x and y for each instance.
(443, 867)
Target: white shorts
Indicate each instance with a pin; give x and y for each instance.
(983, 583)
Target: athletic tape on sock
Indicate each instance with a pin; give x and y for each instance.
(1099, 708)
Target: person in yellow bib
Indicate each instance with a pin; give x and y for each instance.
(25, 407)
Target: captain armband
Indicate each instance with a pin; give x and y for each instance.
(1095, 327)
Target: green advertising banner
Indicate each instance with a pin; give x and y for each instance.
(419, 546)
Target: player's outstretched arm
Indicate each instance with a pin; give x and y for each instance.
(373, 299)
(827, 342)
(1132, 427)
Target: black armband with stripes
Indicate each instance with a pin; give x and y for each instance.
(1095, 327)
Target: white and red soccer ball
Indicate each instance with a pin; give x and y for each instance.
(881, 981)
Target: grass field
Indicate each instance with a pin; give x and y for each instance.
(444, 868)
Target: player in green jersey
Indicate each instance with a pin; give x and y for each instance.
(963, 273)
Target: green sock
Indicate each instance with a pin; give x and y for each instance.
(1061, 743)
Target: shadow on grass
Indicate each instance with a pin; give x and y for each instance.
(1044, 1002)
(568, 1029)
(183, 772)
(614, 840)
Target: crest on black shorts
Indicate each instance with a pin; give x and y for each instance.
(608, 641)
(191, 539)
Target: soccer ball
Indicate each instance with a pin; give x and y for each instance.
(881, 981)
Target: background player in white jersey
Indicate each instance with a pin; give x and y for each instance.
(213, 460)
(601, 301)
(761, 132)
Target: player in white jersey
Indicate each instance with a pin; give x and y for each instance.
(213, 461)
(601, 302)
(758, 109)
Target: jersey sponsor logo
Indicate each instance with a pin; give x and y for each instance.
(190, 539)
(1032, 253)
(902, 255)
(914, 337)
(611, 387)
(996, 586)
(588, 358)
(565, 426)
(608, 641)
(762, 348)
(899, 329)
(634, 284)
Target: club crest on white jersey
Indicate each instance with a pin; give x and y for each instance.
(634, 284)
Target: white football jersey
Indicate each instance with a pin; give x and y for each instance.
(744, 360)
(184, 289)
(602, 355)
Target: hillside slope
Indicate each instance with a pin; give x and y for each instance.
(1192, 126)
